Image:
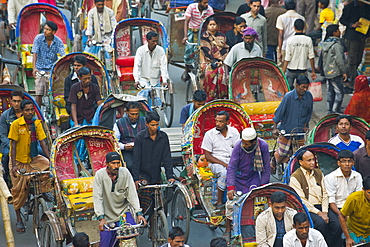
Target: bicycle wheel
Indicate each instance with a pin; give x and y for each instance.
(180, 213)
(189, 92)
(49, 236)
(168, 107)
(38, 211)
(160, 230)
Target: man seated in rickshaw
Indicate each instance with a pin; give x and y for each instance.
(6, 119)
(218, 144)
(199, 99)
(150, 64)
(82, 97)
(46, 48)
(344, 140)
(273, 223)
(249, 167)
(126, 129)
(25, 134)
(214, 49)
(101, 22)
(115, 198)
(79, 61)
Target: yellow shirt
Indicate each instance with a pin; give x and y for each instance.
(326, 15)
(19, 132)
(357, 207)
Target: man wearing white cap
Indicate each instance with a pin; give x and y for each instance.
(249, 167)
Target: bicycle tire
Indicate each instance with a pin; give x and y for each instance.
(189, 92)
(168, 108)
(160, 230)
(49, 236)
(180, 213)
(38, 211)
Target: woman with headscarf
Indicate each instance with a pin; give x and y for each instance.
(235, 35)
(213, 52)
(360, 100)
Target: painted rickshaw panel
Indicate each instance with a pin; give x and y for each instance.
(326, 128)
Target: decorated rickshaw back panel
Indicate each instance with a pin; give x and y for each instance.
(64, 167)
(97, 149)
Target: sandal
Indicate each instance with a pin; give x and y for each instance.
(20, 225)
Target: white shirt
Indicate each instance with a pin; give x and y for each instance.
(299, 49)
(285, 22)
(238, 52)
(150, 67)
(15, 6)
(338, 188)
(315, 239)
(221, 147)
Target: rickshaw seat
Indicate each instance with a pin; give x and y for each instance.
(79, 192)
(60, 109)
(126, 67)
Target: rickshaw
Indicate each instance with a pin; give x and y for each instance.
(29, 24)
(326, 128)
(56, 110)
(128, 36)
(251, 204)
(258, 85)
(74, 209)
(198, 186)
(326, 155)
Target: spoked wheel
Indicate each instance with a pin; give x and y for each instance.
(160, 231)
(49, 235)
(180, 213)
(168, 107)
(192, 86)
(26, 210)
(38, 211)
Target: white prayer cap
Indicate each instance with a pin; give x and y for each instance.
(249, 134)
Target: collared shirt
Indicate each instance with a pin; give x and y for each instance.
(315, 239)
(196, 18)
(294, 112)
(220, 146)
(355, 142)
(259, 25)
(317, 194)
(362, 161)
(150, 155)
(129, 130)
(84, 103)
(47, 56)
(15, 6)
(186, 111)
(339, 188)
(150, 65)
(20, 133)
(238, 52)
(6, 119)
(272, 13)
(285, 22)
(299, 48)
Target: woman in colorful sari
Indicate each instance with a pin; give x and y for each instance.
(235, 35)
(214, 49)
(360, 99)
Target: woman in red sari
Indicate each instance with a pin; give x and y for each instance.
(360, 100)
(214, 49)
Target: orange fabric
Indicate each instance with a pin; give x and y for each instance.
(360, 98)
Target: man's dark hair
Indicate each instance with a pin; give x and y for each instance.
(299, 24)
(52, 25)
(175, 232)
(84, 71)
(278, 197)
(366, 183)
(239, 20)
(81, 239)
(253, 1)
(199, 96)
(302, 79)
(300, 154)
(218, 242)
(133, 105)
(300, 218)
(325, 3)
(224, 113)
(345, 154)
(17, 93)
(367, 136)
(348, 117)
(290, 5)
(330, 30)
(80, 59)
(97, 1)
(152, 115)
(151, 35)
(26, 102)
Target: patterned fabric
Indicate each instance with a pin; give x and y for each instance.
(128, 133)
(47, 56)
(6, 75)
(360, 98)
(258, 162)
(280, 232)
(284, 145)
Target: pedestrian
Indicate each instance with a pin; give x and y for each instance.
(299, 49)
(245, 8)
(362, 157)
(307, 8)
(359, 99)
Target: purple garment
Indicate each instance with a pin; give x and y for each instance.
(240, 174)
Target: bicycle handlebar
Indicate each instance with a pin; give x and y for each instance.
(156, 186)
(23, 172)
(123, 226)
(188, 43)
(9, 61)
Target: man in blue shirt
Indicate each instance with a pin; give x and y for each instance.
(46, 48)
(199, 99)
(293, 114)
